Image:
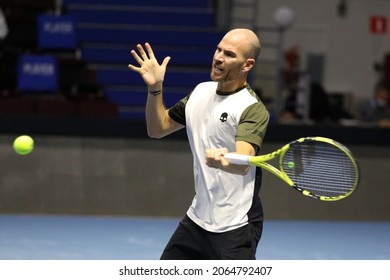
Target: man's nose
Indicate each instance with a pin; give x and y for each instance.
(219, 56)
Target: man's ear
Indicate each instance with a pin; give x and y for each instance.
(250, 62)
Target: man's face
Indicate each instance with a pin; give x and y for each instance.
(228, 60)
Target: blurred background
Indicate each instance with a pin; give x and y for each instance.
(324, 70)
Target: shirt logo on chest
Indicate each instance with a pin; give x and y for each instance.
(223, 117)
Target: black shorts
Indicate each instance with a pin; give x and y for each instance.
(191, 242)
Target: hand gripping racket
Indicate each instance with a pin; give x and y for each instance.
(318, 167)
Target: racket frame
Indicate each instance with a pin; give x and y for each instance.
(261, 161)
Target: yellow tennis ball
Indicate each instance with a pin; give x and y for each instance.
(291, 164)
(23, 145)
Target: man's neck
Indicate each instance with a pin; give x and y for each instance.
(231, 87)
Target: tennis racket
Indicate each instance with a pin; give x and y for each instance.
(317, 167)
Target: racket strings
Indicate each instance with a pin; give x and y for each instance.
(320, 168)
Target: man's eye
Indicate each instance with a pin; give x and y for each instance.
(230, 54)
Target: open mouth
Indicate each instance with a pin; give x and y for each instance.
(218, 69)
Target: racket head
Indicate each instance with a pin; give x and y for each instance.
(320, 168)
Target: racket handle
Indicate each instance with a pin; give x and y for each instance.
(237, 158)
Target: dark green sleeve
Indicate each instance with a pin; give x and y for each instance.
(178, 111)
(253, 124)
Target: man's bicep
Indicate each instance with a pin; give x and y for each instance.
(168, 126)
(245, 148)
(172, 124)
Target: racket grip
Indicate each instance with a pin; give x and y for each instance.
(237, 158)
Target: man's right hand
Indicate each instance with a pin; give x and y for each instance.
(150, 70)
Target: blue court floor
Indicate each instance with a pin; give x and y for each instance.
(115, 238)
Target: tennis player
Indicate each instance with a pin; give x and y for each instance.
(225, 219)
